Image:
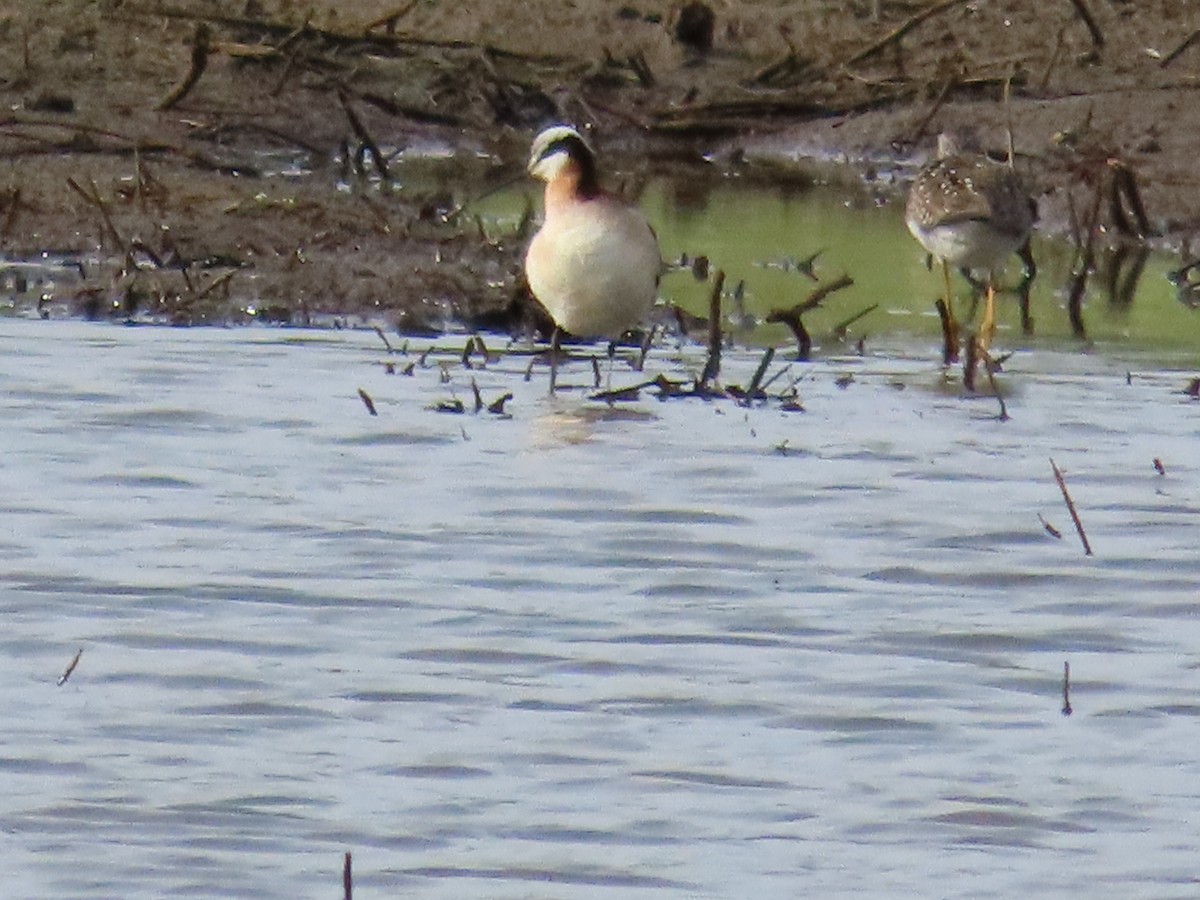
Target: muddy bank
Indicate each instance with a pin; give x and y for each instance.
(217, 161)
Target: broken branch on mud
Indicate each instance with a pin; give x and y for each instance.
(84, 139)
(389, 19)
(1178, 51)
(201, 41)
(333, 38)
(904, 28)
(1093, 28)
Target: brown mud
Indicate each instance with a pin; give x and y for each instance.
(218, 160)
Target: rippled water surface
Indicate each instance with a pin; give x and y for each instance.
(664, 650)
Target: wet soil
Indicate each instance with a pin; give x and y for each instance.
(216, 161)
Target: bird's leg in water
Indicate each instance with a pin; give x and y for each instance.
(555, 344)
(612, 355)
(988, 329)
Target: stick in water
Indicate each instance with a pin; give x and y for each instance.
(1066, 707)
(1062, 486)
(712, 367)
(62, 679)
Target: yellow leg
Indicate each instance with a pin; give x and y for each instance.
(988, 329)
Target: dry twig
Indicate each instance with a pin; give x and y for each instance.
(1049, 529)
(1178, 51)
(62, 679)
(496, 407)
(712, 366)
(904, 28)
(752, 389)
(1093, 28)
(793, 316)
(1066, 707)
(840, 329)
(389, 19)
(1062, 486)
(201, 44)
(935, 107)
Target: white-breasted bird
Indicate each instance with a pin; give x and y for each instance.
(969, 212)
(595, 263)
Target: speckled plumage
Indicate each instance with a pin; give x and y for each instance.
(968, 211)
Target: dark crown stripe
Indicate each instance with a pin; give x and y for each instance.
(571, 145)
(581, 154)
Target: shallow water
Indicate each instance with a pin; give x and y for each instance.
(776, 243)
(669, 649)
(757, 233)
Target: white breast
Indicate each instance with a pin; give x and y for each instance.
(971, 244)
(595, 268)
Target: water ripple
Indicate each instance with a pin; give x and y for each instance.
(674, 650)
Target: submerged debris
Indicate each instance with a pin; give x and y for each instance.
(1066, 689)
(793, 316)
(62, 679)
(712, 366)
(496, 407)
(1049, 529)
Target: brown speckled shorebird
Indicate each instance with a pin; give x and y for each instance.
(971, 213)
